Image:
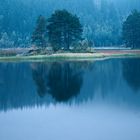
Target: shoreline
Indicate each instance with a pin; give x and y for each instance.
(75, 56)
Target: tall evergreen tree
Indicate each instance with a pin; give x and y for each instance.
(131, 30)
(63, 29)
(39, 35)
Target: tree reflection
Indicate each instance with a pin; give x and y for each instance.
(61, 80)
(131, 72)
(64, 82)
(39, 72)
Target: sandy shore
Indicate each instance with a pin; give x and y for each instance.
(76, 56)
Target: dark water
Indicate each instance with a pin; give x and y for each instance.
(97, 100)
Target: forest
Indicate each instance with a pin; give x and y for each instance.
(101, 19)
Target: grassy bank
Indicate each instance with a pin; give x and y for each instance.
(74, 56)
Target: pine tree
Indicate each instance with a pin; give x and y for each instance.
(63, 29)
(39, 35)
(131, 30)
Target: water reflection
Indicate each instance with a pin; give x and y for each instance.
(62, 80)
(131, 73)
(40, 73)
(36, 84)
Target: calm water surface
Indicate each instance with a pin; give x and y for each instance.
(97, 100)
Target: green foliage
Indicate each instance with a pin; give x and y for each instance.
(63, 29)
(38, 37)
(102, 18)
(131, 30)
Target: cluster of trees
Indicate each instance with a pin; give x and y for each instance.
(39, 35)
(101, 19)
(61, 30)
(131, 30)
(64, 29)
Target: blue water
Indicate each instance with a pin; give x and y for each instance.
(67, 100)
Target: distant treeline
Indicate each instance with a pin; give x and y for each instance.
(101, 19)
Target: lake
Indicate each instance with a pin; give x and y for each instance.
(68, 100)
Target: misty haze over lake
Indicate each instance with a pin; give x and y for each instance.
(70, 100)
(69, 69)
